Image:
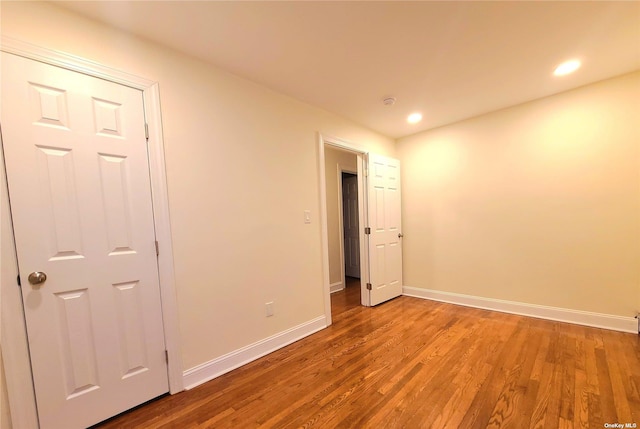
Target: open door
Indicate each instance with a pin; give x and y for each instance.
(385, 246)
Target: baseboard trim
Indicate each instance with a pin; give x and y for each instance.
(214, 368)
(335, 287)
(595, 320)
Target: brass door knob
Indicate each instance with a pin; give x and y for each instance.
(37, 277)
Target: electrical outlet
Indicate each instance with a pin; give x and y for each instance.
(269, 308)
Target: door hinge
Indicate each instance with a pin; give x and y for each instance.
(166, 355)
(369, 286)
(157, 248)
(367, 230)
(18, 279)
(146, 131)
(366, 172)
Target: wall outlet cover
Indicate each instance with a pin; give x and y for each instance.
(269, 308)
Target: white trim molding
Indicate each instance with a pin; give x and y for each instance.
(336, 287)
(324, 231)
(160, 196)
(214, 368)
(578, 317)
(72, 62)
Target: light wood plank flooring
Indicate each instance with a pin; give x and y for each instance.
(412, 363)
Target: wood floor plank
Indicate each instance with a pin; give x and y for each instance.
(412, 363)
(606, 390)
(618, 374)
(581, 392)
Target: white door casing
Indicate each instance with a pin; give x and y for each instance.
(351, 235)
(79, 184)
(328, 141)
(385, 244)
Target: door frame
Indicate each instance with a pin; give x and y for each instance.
(14, 336)
(342, 169)
(325, 140)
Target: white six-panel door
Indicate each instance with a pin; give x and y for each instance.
(385, 247)
(79, 185)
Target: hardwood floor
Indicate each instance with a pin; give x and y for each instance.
(412, 363)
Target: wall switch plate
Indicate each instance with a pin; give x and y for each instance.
(269, 308)
(307, 216)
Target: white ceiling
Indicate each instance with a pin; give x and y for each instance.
(448, 60)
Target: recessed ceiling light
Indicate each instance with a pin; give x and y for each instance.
(567, 68)
(414, 118)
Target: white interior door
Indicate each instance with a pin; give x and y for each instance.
(78, 178)
(385, 247)
(351, 230)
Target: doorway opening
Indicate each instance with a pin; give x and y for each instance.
(341, 164)
(349, 295)
(379, 218)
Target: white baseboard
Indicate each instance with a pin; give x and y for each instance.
(214, 368)
(596, 320)
(335, 287)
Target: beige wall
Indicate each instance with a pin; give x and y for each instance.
(333, 160)
(538, 203)
(242, 166)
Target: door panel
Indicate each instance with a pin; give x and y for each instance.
(385, 247)
(78, 177)
(58, 191)
(133, 354)
(75, 334)
(114, 181)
